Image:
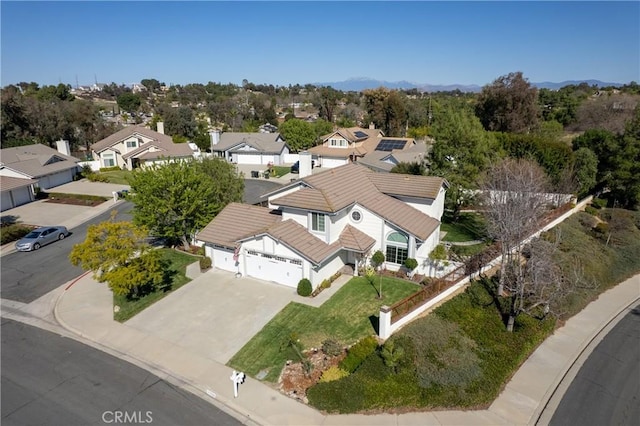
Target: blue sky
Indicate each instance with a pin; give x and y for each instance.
(284, 43)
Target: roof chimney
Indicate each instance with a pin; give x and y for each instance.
(160, 125)
(63, 147)
(372, 125)
(304, 166)
(215, 138)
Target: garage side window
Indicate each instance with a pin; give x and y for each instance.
(397, 248)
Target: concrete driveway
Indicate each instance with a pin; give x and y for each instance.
(215, 314)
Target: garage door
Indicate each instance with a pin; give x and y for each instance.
(247, 158)
(21, 196)
(60, 178)
(274, 268)
(223, 259)
(6, 203)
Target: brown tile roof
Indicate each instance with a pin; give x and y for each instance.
(128, 132)
(299, 239)
(162, 149)
(36, 160)
(8, 183)
(335, 189)
(353, 239)
(237, 221)
(328, 151)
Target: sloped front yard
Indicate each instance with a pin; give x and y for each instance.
(350, 314)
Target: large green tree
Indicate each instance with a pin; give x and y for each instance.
(116, 253)
(129, 102)
(298, 134)
(176, 199)
(387, 109)
(509, 104)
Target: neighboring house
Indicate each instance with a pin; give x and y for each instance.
(315, 226)
(135, 146)
(16, 192)
(40, 163)
(369, 146)
(249, 148)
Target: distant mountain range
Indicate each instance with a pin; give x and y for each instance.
(360, 84)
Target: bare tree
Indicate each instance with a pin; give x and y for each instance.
(514, 204)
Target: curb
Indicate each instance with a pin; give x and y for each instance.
(223, 403)
(559, 386)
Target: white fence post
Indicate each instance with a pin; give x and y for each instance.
(384, 323)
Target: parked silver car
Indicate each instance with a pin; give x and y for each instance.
(40, 237)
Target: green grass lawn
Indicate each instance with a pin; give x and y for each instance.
(177, 266)
(281, 170)
(349, 315)
(117, 176)
(469, 227)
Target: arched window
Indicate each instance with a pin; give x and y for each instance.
(397, 248)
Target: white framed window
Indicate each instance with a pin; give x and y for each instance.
(356, 216)
(317, 222)
(397, 248)
(132, 144)
(108, 159)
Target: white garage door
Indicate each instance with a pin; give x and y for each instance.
(56, 179)
(21, 196)
(274, 268)
(243, 158)
(223, 259)
(6, 203)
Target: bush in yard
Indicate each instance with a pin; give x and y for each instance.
(13, 232)
(358, 352)
(333, 373)
(97, 177)
(304, 288)
(599, 203)
(205, 262)
(411, 263)
(331, 348)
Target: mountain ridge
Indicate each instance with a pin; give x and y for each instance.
(359, 84)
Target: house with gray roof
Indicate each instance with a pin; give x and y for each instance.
(316, 225)
(249, 148)
(135, 146)
(369, 146)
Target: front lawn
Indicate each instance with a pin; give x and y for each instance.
(281, 170)
(350, 314)
(178, 262)
(117, 176)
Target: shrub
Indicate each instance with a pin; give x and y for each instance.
(304, 288)
(205, 262)
(357, 353)
(13, 232)
(97, 177)
(591, 210)
(109, 169)
(377, 259)
(333, 373)
(325, 284)
(599, 203)
(411, 263)
(86, 171)
(331, 348)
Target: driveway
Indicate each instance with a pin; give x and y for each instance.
(215, 314)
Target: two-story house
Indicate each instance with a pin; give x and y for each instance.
(315, 226)
(134, 146)
(368, 146)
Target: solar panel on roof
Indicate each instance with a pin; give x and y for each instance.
(360, 134)
(390, 145)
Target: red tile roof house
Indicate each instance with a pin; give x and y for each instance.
(315, 226)
(134, 146)
(368, 146)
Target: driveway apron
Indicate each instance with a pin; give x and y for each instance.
(215, 314)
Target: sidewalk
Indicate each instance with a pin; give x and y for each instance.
(85, 308)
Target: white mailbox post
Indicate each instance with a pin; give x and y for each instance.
(237, 377)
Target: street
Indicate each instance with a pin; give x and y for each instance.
(606, 390)
(48, 379)
(26, 276)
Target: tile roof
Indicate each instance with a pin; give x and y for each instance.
(36, 160)
(156, 149)
(335, 189)
(237, 221)
(8, 183)
(266, 143)
(128, 132)
(353, 239)
(296, 236)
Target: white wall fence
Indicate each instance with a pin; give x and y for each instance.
(291, 158)
(95, 165)
(386, 328)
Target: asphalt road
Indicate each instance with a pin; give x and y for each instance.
(51, 380)
(26, 276)
(606, 390)
(254, 188)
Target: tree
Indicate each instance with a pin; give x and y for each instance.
(299, 135)
(129, 102)
(437, 255)
(180, 122)
(151, 84)
(585, 166)
(387, 109)
(509, 104)
(327, 102)
(513, 209)
(116, 253)
(177, 199)
(377, 260)
(413, 168)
